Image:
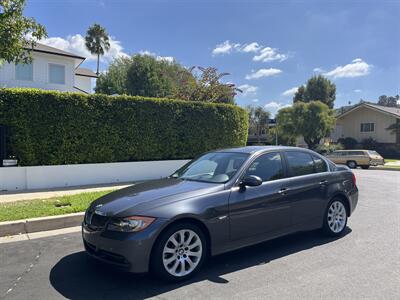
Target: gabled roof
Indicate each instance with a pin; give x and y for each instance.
(393, 111)
(51, 50)
(85, 72)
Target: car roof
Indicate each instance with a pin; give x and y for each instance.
(254, 149)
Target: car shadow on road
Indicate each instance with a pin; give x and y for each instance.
(77, 276)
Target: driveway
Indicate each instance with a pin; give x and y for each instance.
(365, 263)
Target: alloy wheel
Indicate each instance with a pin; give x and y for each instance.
(182, 252)
(337, 216)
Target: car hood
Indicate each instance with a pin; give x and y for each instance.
(141, 197)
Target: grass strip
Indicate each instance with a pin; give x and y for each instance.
(48, 207)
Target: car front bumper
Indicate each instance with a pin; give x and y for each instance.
(125, 251)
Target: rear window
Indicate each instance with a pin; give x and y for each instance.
(299, 163)
(373, 152)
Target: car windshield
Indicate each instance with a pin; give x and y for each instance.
(213, 167)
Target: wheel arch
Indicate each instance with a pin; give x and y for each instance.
(185, 219)
(345, 199)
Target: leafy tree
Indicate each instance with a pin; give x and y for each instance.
(318, 88)
(18, 34)
(148, 76)
(300, 94)
(390, 101)
(97, 41)
(114, 80)
(258, 120)
(313, 121)
(144, 75)
(209, 88)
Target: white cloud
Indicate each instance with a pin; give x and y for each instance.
(356, 68)
(264, 54)
(263, 73)
(290, 92)
(269, 54)
(157, 57)
(255, 100)
(318, 70)
(357, 91)
(76, 44)
(252, 47)
(248, 89)
(225, 48)
(274, 106)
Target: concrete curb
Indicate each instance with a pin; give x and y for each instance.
(386, 169)
(40, 224)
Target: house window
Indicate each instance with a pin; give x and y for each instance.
(24, 72)
(56, 74)
(367, 127)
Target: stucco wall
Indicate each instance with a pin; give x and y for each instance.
(351, 125)
(84, 83)
(43, 177)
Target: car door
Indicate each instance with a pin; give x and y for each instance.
(261, 209)
(307, 186)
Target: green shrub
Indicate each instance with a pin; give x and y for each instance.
(348, 142)
(326, 149)
(369, 144)
(49, 128)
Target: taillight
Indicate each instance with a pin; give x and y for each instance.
(354, 179)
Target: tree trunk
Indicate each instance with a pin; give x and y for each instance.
(312, 143)
(98, 61)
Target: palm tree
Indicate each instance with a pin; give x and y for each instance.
(97, 41)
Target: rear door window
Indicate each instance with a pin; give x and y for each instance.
(320, 164)
(299, 163)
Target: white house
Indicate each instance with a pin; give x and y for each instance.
(51, 69)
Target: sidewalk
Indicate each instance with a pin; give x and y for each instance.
(12, 196)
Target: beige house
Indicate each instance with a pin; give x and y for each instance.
(368, 121)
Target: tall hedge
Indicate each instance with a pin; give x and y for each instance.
(50, 128)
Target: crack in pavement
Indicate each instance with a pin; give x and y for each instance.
(19, 278)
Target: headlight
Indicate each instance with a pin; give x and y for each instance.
(130, 224)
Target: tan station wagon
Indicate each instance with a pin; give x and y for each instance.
(355, 158)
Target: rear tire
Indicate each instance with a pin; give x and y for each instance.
(179, 252)
(365, 167)
(351, 164)
(335, 218)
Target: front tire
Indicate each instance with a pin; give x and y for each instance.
(179, 253)
(335, 218)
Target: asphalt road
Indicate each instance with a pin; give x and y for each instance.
(363, 264)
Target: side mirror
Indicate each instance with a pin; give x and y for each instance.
(251, 180)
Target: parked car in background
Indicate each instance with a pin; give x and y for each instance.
(356, 158)
(221, 201)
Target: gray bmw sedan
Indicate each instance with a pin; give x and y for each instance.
(220, 201)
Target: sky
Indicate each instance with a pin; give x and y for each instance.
(269, 48)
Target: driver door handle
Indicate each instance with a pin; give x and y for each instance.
(283, 191)
(323, 182)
